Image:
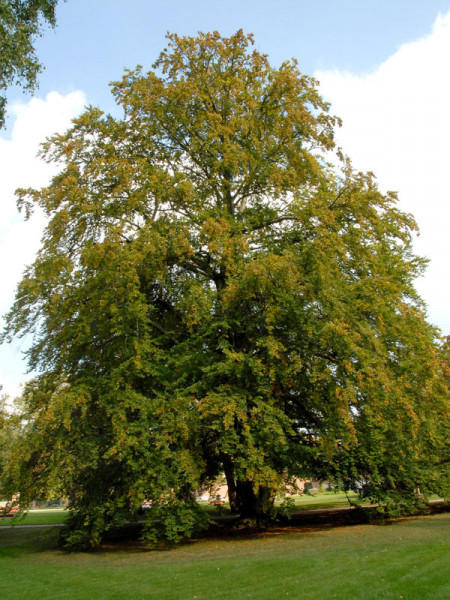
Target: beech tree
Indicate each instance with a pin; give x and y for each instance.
(21, 21)
(212, 296)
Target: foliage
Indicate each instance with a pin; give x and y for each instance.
(212, 296)
(8, 435)
(3, 441)
(21, 21)
(174, 520)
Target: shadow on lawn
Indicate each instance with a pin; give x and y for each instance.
(19, 541)
(16, 542)
(228, 528)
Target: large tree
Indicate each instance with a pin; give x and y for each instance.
(212, 296)
(21, 22)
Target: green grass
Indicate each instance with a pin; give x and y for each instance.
(407, 560)
(38, 517)
(324, 500)
(57, 515)
(303, 502)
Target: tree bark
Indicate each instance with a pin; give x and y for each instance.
(251, 504)
(243, 499)
(232, 495)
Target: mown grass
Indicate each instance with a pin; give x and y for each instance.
(38, 517)
(406, 560)
(300, 502)
(322, 500)
(58, 516)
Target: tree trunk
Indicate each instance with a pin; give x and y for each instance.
(244, 501)
(232, 492)
(253, 505)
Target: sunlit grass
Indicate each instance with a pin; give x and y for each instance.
(405, 560)
(59, 516)
(37, 517)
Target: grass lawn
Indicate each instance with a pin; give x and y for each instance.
(303, 502)
(58, 515)
(37, 517)
(325, 500)
(405, 560)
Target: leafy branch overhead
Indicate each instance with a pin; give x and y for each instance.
(212, 297)
(21, 22)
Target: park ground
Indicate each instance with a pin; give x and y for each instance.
(303, 502)
(406, 559)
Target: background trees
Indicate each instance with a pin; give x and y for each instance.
(212, 296)
(8, 436)
(20, 22)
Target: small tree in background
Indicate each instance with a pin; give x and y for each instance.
(8, 436)
(212, 296)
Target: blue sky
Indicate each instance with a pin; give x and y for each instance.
(384, 65)
(96, 39)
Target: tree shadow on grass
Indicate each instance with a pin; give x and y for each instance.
(15, 541)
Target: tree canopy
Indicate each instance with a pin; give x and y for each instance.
(212, 296)
(21, 21)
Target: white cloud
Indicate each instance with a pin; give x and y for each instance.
(397, 124)
(19, 239)
(10, 387)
